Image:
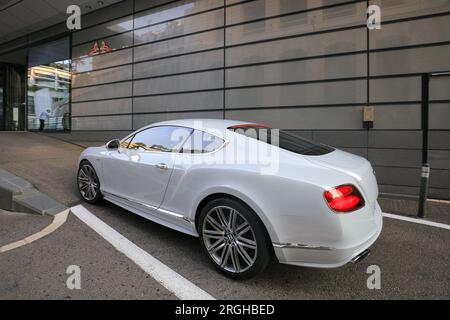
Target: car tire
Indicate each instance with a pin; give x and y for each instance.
(247, 233)
(88, 183)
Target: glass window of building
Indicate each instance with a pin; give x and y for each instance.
(12, 90)
(48, 94)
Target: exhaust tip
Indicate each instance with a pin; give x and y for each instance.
(361, 256)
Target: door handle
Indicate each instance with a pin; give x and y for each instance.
(162, 166)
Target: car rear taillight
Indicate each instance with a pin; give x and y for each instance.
(344, 198)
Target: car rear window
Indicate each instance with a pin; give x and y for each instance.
(202, 142)
(286, 140)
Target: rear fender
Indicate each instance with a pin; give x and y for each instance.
(237, 194)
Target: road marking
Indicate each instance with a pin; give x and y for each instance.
(58, 221)
(172, 281)
(439, 201)
(419, 221)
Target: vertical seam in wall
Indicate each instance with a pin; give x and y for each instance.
(70, 87)
(368, 58)
(2, 95)
(25, 113)
(132, 68)
(224, 56)
(368, 78)
(26, 82)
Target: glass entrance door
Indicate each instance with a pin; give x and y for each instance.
(12, 100)
(48, 92)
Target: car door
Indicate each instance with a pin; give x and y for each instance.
(112, 161)
(196, 151)
(140, 172)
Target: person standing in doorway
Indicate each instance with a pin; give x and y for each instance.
(42, 118)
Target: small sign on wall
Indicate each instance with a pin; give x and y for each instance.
(368, 117)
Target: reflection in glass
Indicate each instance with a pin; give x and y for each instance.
(160, 139)
(297, 24)
(102, 61)
(183, 26)
(12, 95)
(162, 14)
(173, 11)
(104, 30)
(48, 96)
(104, 45)
(202, 142)
(1, 99)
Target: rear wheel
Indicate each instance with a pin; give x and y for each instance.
(234, 238)
(88, 183)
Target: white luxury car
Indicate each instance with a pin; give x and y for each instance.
(248, 191)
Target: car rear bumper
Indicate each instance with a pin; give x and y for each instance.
(323, 256)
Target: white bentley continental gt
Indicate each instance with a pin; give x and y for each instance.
(248, 191)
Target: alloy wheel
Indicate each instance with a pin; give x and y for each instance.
(87, 182)
(229, 239)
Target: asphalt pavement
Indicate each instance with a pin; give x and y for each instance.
(413, 258)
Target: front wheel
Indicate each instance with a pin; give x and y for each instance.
(88, 183)
(234, 238)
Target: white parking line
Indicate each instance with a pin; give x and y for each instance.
(419, 221)
(172, 281)
(58, 220)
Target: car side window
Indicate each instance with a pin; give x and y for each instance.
(125, 142)
(202, 142)
(160, 139)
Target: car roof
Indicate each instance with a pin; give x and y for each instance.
(214, 125)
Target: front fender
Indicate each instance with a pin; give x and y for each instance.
(94, 156)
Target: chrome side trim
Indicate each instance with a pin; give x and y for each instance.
(167, 212)
(360, 256)
(143, 204)
(171, 213)
(130, 200)
(300, 246)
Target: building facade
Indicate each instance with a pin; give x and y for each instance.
(310, 66)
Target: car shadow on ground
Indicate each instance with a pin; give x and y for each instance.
(183, 254)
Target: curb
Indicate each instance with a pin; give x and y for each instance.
(17, 194)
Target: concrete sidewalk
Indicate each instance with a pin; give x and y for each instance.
(51, 164)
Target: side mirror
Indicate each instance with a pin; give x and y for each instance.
(113, 144)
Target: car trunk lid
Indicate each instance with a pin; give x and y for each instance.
(357, 167)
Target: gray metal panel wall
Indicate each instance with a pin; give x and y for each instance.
(308, 66)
